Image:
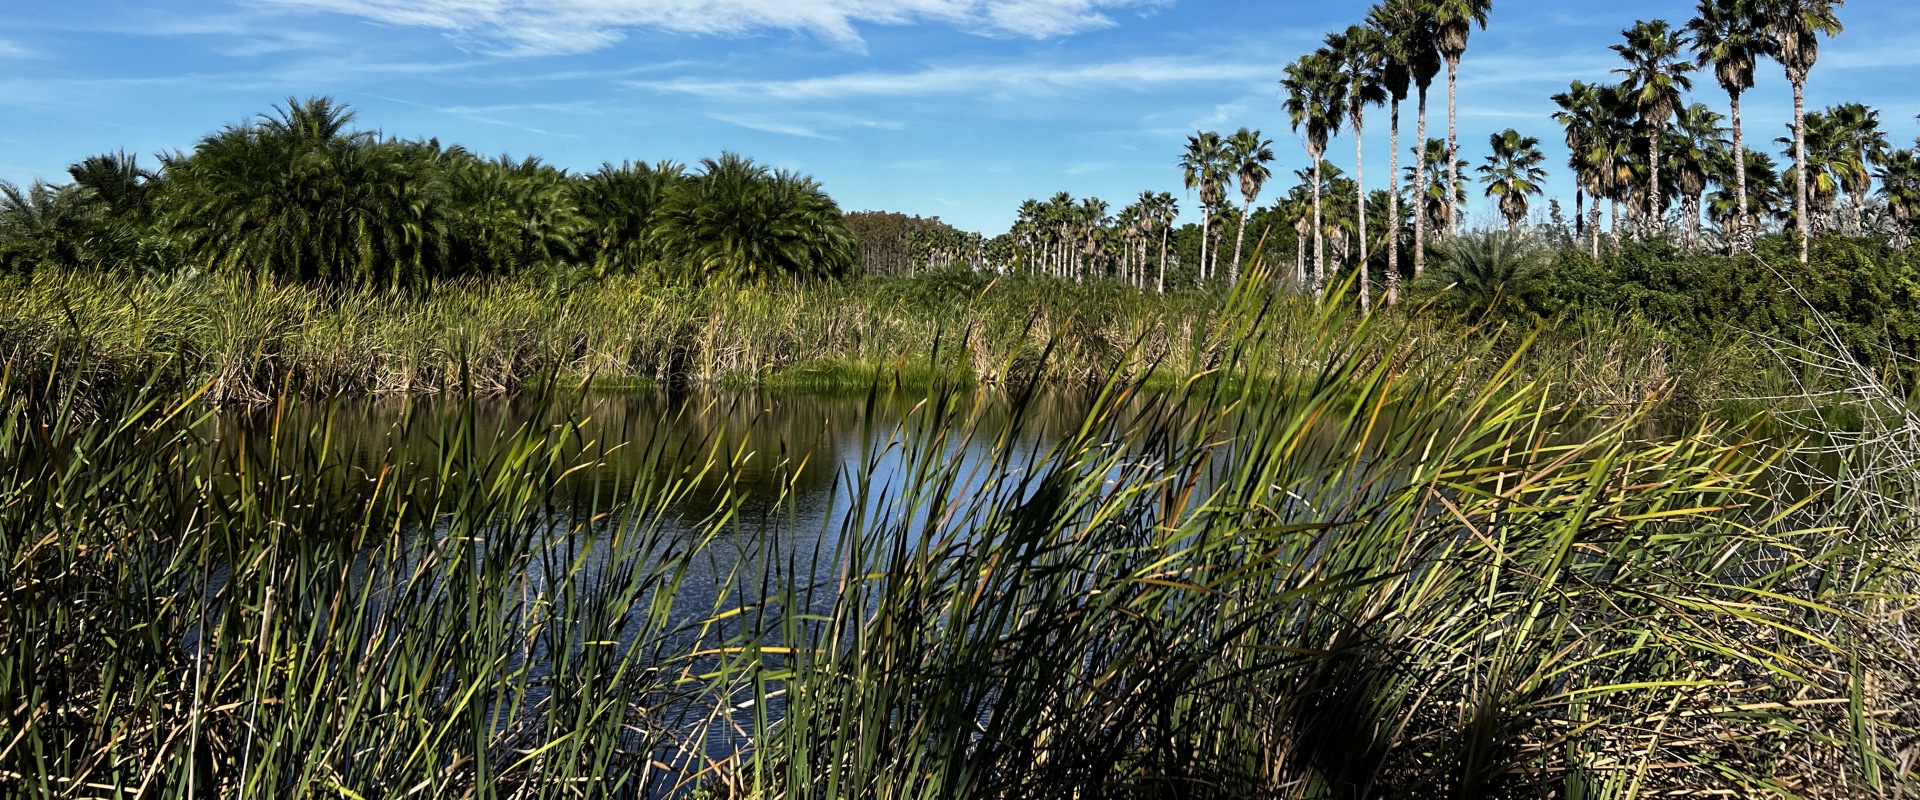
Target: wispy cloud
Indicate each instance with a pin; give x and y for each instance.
(1023, 78)
(10, 49)
(578, 26)
(805, 124)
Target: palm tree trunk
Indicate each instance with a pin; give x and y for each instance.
(1691, 208)
(1393, 211)
(1360, 205)
(1742, 238)
(1614, 210)
(1420, 191)
(1453, 146)
(1300, 260)
(1593, 225)
(1656, 222)
(1206, 227)
(1319, 240)
(1239, 242)
(1800, 167)
(1579, 211)
(1161, 282)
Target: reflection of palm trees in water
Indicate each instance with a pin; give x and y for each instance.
(754, 447)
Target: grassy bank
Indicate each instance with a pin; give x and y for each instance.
(1358, 581)
(250, 341)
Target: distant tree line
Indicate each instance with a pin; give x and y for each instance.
(299, 195)
(898, 244)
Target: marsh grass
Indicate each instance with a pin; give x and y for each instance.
(251, 342)
(1323, 560)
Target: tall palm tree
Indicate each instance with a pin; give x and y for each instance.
(1795, 27)
(1865, 144)
(1248, 154)
(1398, 25)
(1315, 100)
(1414, 33)
(1899, 175)
(1362, 55)
(1453, 23)
(1823, 153)
(1730, 36)
(1026, 231)
(1692, 142)
(1656, 74)
(1200, 168)
(1163, 210)
(1513, 173)
(1595, 121)
(1433, 204)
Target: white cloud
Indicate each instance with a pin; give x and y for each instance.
(1010, 78)
(812, 125)
(15, 50)
(578, 26)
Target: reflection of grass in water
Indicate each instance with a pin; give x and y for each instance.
(1400, 584)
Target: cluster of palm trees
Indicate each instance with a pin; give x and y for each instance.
(1211, 165)
(298, 194)
(1638, 143)
(1396, 52)
(1084, 239)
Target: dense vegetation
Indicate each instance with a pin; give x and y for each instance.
(1378, 573)
(1349, 501)
(300, 196)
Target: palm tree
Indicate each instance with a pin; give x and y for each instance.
(1248, 154)
(1764, 193)
(1315, 97)
(1298, 207)
(1899, 175)
(1161, 209)
(1864, 144)
(1453, 23)
(1433, 204)
(1513, 173)
(1822, 147)
(45, 225)
(622, 205)
(1693, 141)
(1731, 37)
(738, 221)
(1200, 166)
(118, 181)
(1655, 76)
(1490, 275)
(1795, 27)
(1411, 24)
(1400, 34)
(1598, 126)
(296, 194)
(1362, 54)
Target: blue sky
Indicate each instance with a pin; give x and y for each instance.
(955, 108)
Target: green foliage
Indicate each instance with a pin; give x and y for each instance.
(1860, 292)
(622, 205)
(1489, 274)
(737, 221)
(1372, 567)
(300, 195)
(898, 244)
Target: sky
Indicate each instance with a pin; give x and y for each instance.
(952, 108)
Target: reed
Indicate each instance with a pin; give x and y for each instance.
(256, 341)
(1364, 567)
